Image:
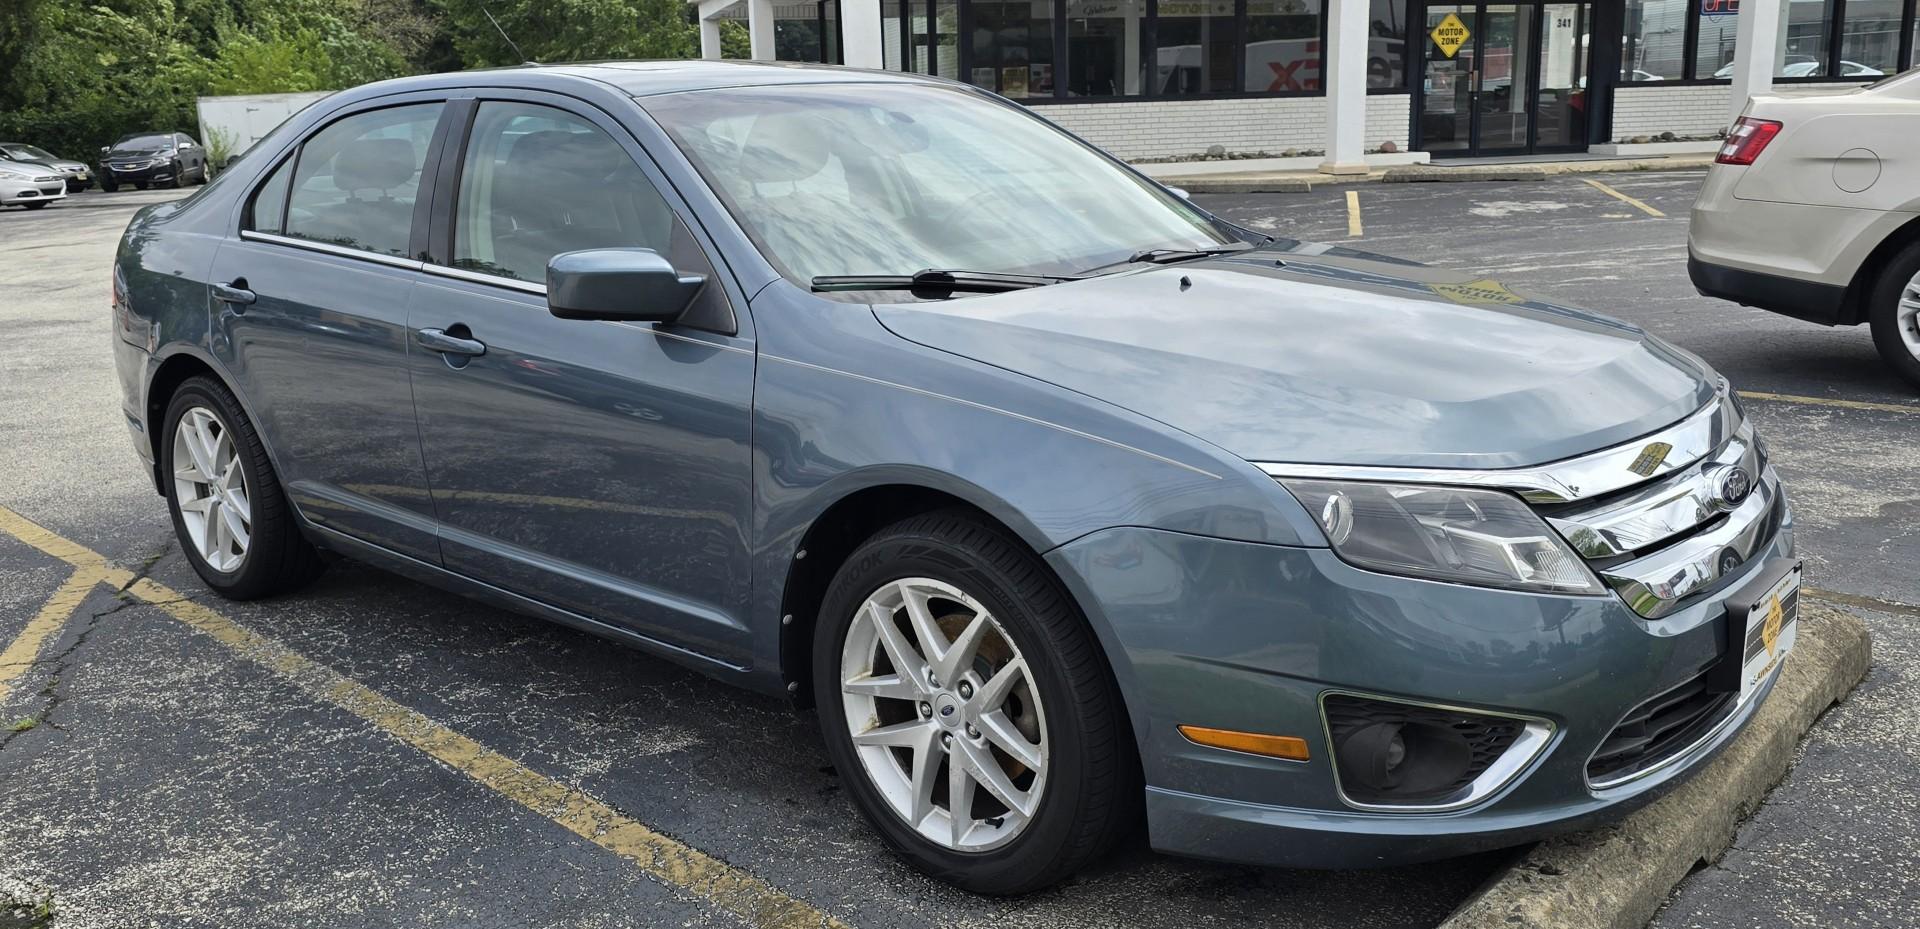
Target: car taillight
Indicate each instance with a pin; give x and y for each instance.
(1747, 140)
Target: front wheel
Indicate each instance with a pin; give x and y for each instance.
(968, 708)
(40, 205)
(176, 181)
(1894, 314)
(110, 186)
(229, 513)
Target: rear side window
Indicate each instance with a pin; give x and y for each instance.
(355, 182)
(268, 211)
(538, 181)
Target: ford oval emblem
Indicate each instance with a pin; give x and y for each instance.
(1734, 486)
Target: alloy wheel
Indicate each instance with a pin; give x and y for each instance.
(210, 487)
(944, 714)
(1906, 317)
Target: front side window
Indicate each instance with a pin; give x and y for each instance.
(355, 182)
(538, 181)
(857, 179)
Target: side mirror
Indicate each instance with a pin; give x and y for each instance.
(628, 284)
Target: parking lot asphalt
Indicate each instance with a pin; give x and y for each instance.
(374, 752)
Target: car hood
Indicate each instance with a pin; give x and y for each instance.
(1308, 354)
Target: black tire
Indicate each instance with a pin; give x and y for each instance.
(1883, 313)
(177, 181)
(35, 206)
(110, 186)
(139, 185)
(1092, 796)
(278, 558)
(206, 173)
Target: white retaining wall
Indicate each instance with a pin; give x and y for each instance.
(1164, 128)
(1650, 109)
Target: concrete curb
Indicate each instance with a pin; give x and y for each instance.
(1618, 876)
(1423, 173)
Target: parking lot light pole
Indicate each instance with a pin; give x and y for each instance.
(1759, 28)
(1346, 85)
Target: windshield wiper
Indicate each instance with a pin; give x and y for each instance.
(935, 279)
(1162, 256)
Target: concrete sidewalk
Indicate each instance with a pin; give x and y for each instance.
(1517, 170)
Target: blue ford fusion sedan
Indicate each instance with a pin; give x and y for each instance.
(1063, 502)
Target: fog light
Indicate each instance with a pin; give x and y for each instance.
(1394, 754)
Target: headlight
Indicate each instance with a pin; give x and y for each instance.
(1456, 534)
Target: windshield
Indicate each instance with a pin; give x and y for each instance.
(142, 143)
(891, 179)
(28, 153)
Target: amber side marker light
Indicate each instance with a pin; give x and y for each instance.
(1253, 743)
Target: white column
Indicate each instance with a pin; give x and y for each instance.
(709, 39)
(1756, 42)
(1345, 74)
(862, 45)
(760, 28)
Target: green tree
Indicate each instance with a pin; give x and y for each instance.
(569, 30)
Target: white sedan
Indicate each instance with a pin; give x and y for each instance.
(1812, 209)
(30, 185)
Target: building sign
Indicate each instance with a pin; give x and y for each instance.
(1719, 7)
(1452, 33)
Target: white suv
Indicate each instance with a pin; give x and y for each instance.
(1812, 209)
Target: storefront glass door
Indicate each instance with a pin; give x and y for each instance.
(1503, 78)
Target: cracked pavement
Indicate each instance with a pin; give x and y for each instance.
(178, 784)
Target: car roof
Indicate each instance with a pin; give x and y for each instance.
(650, 78)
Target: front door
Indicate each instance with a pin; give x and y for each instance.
(1503, 79)
(599, 467)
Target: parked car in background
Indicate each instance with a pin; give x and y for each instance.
(77, 175)
(1812, 209)
(1061, 499)
(153, 159)
(30, 185)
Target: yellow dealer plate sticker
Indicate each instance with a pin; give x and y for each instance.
(1450, 35)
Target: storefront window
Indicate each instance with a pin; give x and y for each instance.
(1013, 47)
(1870, 38)
(1808, 26)
(797, 39)
(1713, 51)
(1196, 40)
(1387, 45)
(1653, 46)
(830, 32)
(1105, 40)
(892, 21)
(1283, 45)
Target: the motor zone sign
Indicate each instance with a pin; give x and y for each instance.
(1450, 35)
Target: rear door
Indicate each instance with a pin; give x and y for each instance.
(309, 314)
(600, 467)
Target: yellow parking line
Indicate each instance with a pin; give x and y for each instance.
(19, 654)
(661, 857)
(1354, 229)
(1824, 401)
(1630, 201)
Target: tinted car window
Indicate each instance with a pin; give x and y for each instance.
(538, 181)
(355, 182)
(268, 211)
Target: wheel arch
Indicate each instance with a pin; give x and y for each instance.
(841, 527)
(1855, 309)
(175, 369)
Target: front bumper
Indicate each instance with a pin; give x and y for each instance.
(1236, 635)
(14, 192)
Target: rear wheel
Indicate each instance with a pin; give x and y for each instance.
(1895, 314)
(229, 512)
(968, 709)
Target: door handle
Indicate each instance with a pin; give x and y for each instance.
(439, 340)
(235, 293)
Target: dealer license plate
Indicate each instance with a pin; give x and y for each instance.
(1773, 625)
